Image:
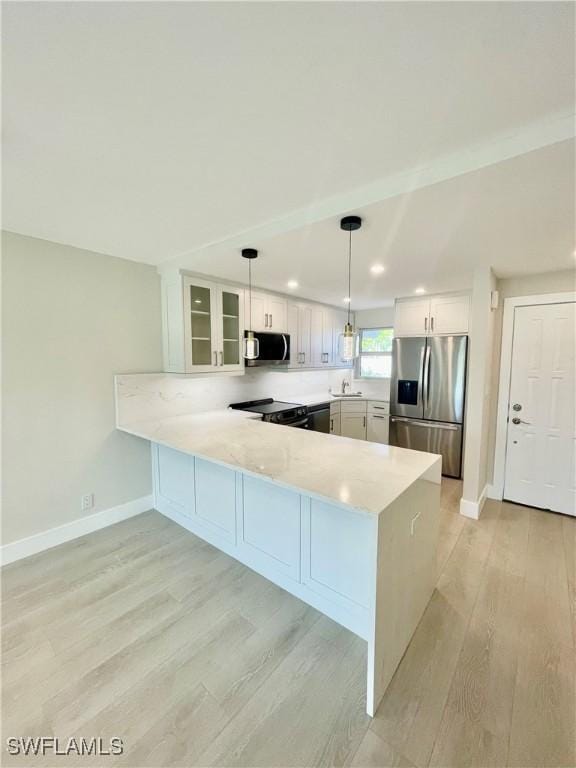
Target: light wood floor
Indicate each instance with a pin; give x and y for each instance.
(144, 632)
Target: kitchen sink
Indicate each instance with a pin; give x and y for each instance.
(346, 394)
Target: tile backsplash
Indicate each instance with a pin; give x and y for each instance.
(158, 395)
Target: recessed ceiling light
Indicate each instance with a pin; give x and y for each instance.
(346, 299)
(197, 301)
(292, 283)
(377, 269)
(420, 290)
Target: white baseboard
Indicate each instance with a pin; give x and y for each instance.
(473, 509)
(492, 492)
(16, 550)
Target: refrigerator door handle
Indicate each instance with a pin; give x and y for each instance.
(426, 376)
(428, 424)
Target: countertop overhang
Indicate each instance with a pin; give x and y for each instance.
(353, 473)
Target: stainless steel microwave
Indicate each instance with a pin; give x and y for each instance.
(274, 349)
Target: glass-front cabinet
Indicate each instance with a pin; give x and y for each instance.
(213, 327)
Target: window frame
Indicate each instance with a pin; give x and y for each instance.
(358, 366)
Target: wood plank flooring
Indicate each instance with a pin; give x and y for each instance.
(143, 632)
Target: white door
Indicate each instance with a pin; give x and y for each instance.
(540, 460)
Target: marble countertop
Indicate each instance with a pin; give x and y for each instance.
(353, 473)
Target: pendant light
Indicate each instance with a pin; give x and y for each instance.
(250, 344)
(348, 340)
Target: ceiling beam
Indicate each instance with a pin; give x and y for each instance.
(533, 137)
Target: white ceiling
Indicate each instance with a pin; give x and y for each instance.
(149, 130)
(517, 216)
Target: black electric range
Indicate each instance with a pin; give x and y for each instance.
(276, 411)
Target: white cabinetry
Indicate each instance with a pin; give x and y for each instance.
(335, 417)
(269, 312)
(449, 314)
(437, 315)
(270, 540)
(353, 419)
(202, 325)
(314, 331)
(411, 317)
(322, 353)
(377, 421)
(215, 495)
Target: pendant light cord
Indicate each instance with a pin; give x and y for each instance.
(250, 291)
(349, 273)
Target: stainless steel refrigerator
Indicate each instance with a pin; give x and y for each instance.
(427, 396)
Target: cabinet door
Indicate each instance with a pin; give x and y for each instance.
(328, 323)
(200, 325)
(270, 540)
(411, 318)
(449, 314)
(304, 335)
(259, 311)
(316, 335)
(230, 313)
(377, 429)
(215, 490)
(293, 332)
(353, 425)
(277, 311)
(335, 428)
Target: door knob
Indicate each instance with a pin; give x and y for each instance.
(516, 407)
(516, 420)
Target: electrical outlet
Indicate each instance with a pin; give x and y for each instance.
(87, 501)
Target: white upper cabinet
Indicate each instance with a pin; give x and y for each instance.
(269, 312)
(434, 316)
(411, 317)
(202, 326)
(449, 314)
(203, 323)
(314, 331)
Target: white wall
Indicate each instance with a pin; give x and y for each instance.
(71, 320)
(374, 318)
(479, 393)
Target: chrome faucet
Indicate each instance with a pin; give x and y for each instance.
(345, 384)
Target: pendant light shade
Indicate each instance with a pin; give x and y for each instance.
(250, 344)
(348, 341)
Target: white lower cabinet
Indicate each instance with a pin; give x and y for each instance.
(174, 479)
(335, 418)
(330, 564)
(215, 493)
(377, 430)
(353, 419)
(313, 549)
(269, 527)
(353, 425)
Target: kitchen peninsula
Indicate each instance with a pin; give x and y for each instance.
(347, 526)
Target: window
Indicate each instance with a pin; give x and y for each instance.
(375, 361)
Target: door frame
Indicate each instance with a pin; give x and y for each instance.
(510, 304)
